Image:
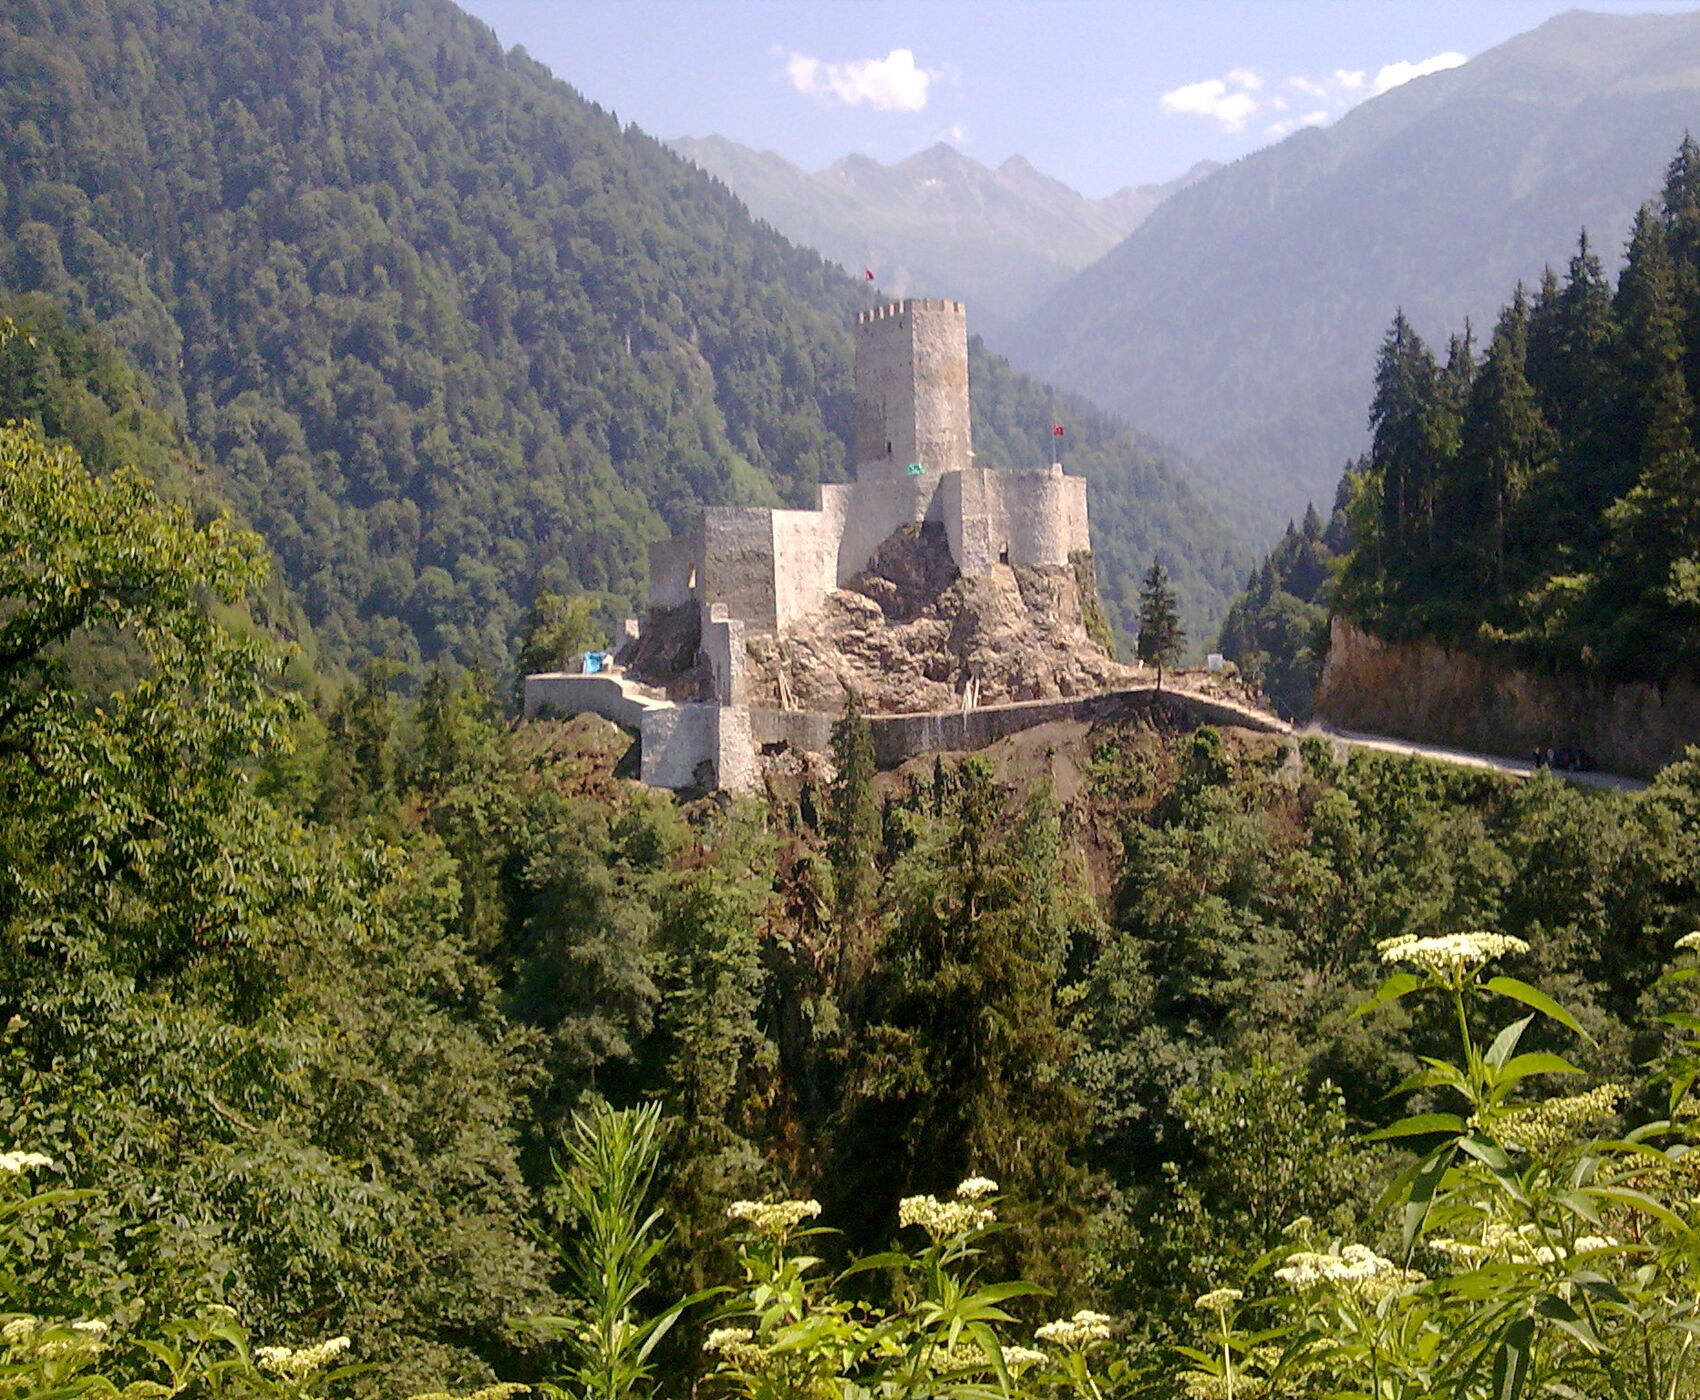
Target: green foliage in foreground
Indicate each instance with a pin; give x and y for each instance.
(304, 998)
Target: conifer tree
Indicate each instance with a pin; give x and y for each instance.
(853, 836)
(1400, 419)
(1160, 636)
(1506, 444)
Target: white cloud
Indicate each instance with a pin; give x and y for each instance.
(1234, 99)
(1393, 75)
(956, 133)
(889, 84)
(1229, 100)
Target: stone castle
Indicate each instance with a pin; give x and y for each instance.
(750, 572)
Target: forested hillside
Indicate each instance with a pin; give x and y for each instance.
(1542, 495)
(444, 327)
(1239, 319)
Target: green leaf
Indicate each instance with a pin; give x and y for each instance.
(1538, 1062)
(1506, 1041)
(1417, 1125)
(1511, 1362)
(1423, 1184)
(1533, 996)
(1398, 985)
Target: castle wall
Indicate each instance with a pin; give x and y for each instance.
(673, 565)
(911, 383)
(805, 554)
(723, 645)
(738, 564)
(1036, 518)
(567, 693)
(873, 510)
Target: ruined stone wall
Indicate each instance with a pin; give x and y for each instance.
(873, 511)
(738, 565)
(723, 645)
(1427, 692)
(673, 565)
(565, 693)
(805, 556)
(911, 389)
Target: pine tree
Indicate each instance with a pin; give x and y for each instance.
(1506, 446)
(1160, 636)
(1401, 420)
(853, 838)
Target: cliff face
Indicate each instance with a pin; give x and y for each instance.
(1426, 692)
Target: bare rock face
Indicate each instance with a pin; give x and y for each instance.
(909, 635)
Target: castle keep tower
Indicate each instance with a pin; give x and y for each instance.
(911, 390)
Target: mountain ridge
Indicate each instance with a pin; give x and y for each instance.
(1237, 320)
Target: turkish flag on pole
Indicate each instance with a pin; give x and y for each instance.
(868, 273)
(1056, 430)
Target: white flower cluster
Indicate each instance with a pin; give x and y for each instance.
(1689, 940)
(15, 1163)
(1356, 1267)
(502, 1390)
(773, 1217)
(1207, 1385)
(1018, 1359)
(297, 1364)
(976, 1188)
(1450, 954)
(1219, 1299)
(736, 1346)
(1085, 1329)
(944, 1220)
(1544, 1127)
(54, 1339)
(1517, 1244)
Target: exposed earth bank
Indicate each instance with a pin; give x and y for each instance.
(1424, 691)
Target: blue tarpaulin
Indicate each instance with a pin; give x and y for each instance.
(595, 661)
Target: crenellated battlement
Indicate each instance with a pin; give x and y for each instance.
(908, 306)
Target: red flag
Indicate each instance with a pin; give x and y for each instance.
(1056, 430)
(868, 273)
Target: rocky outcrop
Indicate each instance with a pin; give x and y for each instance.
(911, 635)
(1427, 692)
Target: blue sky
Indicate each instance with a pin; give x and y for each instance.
(1100, 93)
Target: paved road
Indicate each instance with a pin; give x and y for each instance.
(1515, 767)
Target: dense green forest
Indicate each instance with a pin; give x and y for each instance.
(304, 998)
(1276, 631)
(1543, 499)
(449, 331)
(1538, 499)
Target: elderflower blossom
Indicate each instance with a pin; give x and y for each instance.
(15, 1163)
(736, 1346)
(976, 1188)
(502, 1390)
(1450, 954)
(83, 1338)
(1586, 1244)
(1544, 1127)
(1689, 940)
(1085, 1329)
(773, 1217)
(1020, 1358)
(1208, 1385)
(19, 1329)
(297, 1364)
(1357, 1267)
(1219, 1299)
(944, 1219)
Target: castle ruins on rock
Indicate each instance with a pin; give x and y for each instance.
(741, 608)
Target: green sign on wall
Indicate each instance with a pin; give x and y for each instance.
(915, 469)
